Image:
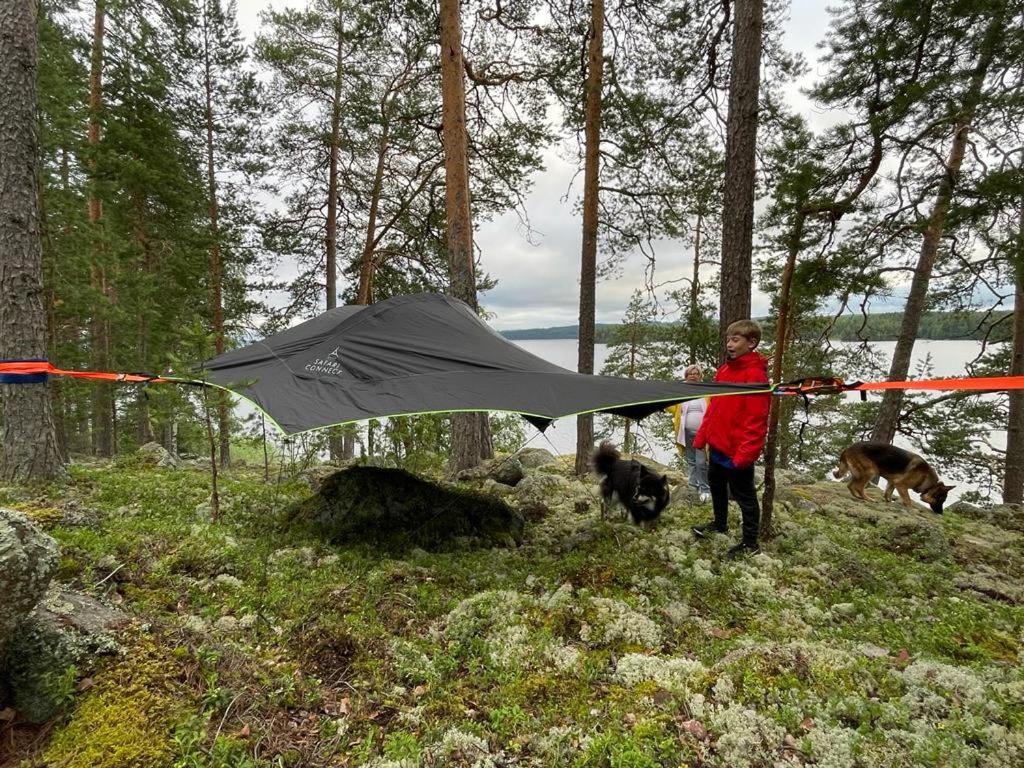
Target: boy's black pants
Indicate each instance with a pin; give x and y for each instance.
(741, 483)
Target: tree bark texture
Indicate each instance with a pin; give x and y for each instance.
(588, 260)
(470, 431)
(740, 145)
(28, 452)
(771, 451)
(1013, 474)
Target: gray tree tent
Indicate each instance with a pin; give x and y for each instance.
(425, 353)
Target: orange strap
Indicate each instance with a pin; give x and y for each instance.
(799, 387)
(36, 367)
(982, 384)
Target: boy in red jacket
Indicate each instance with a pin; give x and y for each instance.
(734, 430)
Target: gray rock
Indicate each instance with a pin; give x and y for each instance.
(792, 477)
(51, 644)
(538, 494)
(915, 537)
(991, 586)
(533, 458)
(154, 454)
(508, 471)
(28, 559)
(964, 509)
(1009, 517)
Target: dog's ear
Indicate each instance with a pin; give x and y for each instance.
(948, 487)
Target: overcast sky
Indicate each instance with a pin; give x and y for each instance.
(538, 277)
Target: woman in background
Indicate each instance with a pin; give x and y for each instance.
(686, 421)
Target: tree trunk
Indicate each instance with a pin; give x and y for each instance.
(144, 425)
(216, 265)
(29, 451)
(1013, 475)
(102, 392)
(336, 440)
(49, 260)
(771, 450)
(695, 289)
(470, 431)
(365, 293)
(588, 260)
(889, 411)
(740, 145)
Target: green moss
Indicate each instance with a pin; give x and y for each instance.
(127, 719)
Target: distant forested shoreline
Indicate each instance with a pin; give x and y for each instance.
(879, 327)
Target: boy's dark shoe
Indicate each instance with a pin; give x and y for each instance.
(741, 550)
(703, 531)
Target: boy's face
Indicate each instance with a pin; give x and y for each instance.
(737, 346)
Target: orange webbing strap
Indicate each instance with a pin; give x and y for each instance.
(36, 367)
(982, 384)
(824, 385)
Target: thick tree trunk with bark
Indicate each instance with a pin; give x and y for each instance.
(29, 450)
(588, 260)
(103, 392)
(889, 411)
(470, 431)
(740, 145)
(1013, 475)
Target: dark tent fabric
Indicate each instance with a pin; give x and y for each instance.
(425, 353)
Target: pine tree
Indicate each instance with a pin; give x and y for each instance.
(224, 112)
(29, 450)
(636, 353)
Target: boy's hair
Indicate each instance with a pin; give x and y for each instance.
(749, 329)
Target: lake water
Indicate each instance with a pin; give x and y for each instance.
(948, 358)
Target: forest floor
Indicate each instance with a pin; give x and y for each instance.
(863, 635)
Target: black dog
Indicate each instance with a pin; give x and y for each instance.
(642, 492)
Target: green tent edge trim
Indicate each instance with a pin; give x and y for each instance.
(599, 409)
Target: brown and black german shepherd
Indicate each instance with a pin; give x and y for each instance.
(904, 471)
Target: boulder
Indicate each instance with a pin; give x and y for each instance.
(536, 495)
(155, 455)
(28, 559)
(971, 511)
(1009, 517)
(394, 509)
(533, 458)
(52, 646)
(917, 538)
(508, 471)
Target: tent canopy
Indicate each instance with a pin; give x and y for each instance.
(425, 353)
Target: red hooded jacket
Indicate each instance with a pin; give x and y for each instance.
(737, 425)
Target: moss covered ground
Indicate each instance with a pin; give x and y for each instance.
(863, 635)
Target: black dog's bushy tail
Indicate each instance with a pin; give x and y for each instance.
(605, 457)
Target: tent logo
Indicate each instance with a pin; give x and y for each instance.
(329, 365)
